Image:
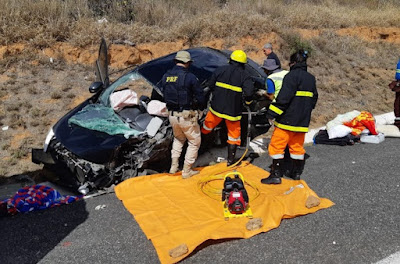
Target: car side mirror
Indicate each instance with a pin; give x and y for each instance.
(95, 87)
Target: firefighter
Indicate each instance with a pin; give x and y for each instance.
(292, 113)
(228, 84)
(184, 97)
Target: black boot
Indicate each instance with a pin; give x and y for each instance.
(275, 174)
(231, 154)
(297, 170)
(207, 142)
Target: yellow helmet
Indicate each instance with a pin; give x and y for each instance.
(239, 56)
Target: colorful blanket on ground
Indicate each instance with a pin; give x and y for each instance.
(365, 120)
(36, 197)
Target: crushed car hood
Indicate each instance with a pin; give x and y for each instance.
(85, 143)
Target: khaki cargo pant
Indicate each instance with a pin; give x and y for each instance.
(185, 127)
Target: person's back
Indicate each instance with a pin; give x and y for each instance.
(300, 83)
(228, 84)
(292, 114)
(181, 91)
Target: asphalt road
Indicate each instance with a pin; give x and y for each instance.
(362, 227)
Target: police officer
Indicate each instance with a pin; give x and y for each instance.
(292, 113)
(228, 84)
(184, 97)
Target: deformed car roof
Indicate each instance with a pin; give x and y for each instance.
(205, 61)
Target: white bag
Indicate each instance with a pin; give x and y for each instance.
(158, 108)
(372, 138)
(120, 99)
(340, 119)
(338, 131)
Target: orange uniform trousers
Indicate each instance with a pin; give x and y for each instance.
(282, 138)
(233, 127)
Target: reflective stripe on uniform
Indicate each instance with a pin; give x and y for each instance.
(233, 139)
(275, 109)
(228, 86)
(277, 156)
(398, 70)
(304, 93)
(297, 157)
(231, 118)
(291, 128)
(206, 127)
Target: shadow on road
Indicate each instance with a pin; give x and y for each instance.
(27, 238)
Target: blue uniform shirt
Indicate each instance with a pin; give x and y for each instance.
(269, 84)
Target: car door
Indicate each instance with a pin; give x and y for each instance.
(101, 65)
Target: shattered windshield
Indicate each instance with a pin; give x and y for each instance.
(133, 81)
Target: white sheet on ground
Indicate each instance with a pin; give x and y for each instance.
(389, 130)
(342, 118)
(385, 119)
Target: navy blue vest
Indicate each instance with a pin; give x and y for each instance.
(177, 96)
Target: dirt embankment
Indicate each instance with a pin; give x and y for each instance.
(124, 55)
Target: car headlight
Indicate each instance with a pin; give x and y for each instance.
(49, 136)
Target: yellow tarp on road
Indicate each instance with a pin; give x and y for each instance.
(172, 211)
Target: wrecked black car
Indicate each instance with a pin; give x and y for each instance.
(96, 145)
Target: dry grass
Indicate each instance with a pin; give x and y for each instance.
(43, 22)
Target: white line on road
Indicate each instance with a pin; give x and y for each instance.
(392, 259)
